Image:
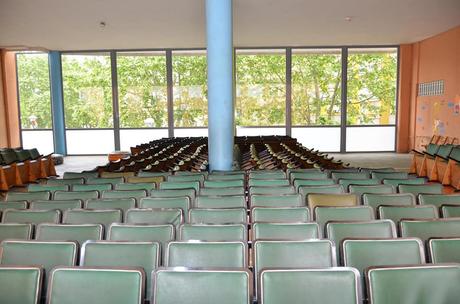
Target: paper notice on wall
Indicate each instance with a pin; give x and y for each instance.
(439, 127)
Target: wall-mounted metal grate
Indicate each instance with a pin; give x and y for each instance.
(431, 88)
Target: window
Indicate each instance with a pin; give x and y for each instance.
(260, 91)
(35, 101)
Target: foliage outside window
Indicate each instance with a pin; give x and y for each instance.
(87, 84)
(260, 88)
(316, 87)
(34, 90)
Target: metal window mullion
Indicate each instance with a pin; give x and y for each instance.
(343, 108)
(170, 93)
(115, 104)
(288, 91)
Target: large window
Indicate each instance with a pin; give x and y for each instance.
(142, 97)
(87, 84)
(260, 92)
(316, 97)
(35, 101)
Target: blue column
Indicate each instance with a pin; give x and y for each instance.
(219, 30)
(57, 102)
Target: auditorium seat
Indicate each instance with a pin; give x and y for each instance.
(267, 174)
(103, 217)
(284, 231)
(287, 200)
(280, 214)
(325, 286)
(143, 180)
(222, 177)
(155, 216)
(16, 231)
(50, 188)
(13, 205)
(175, 193)
(419, 189)
(308, 175)
(312, 182)
(27, 196)
(180, 185)
(268, 182)
(93, 187)
(31, 216)
(68, 232)
(358, 182)
(111, 203)
(137, 194)
(322, 215)
(135, 186)
(408, 181)
(336, 175)
(380, 176)
(204, 286)
(60, 205)
(272, 190)
(74, 175)
(444, 250)
(414, 284)
(397, 213)
(69, 181)
(222, 191)
(100, 180)
(331, 200)
(117, 174)
(332, 189)
(218, 216)
(225, 201)
(153, 174)
(224, 183)
(448, 211)
(20, 284)
(439, 199)
(401, 199)
(71, 195)
(425, 229)
(182, 203)
(207, 255)
(79, 285)
(213, 233)
(186, 178)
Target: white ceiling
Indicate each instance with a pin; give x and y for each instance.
(131, 24)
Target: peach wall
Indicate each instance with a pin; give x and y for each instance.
(404, 95)
(3, 118)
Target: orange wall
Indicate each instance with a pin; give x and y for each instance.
(436, 58)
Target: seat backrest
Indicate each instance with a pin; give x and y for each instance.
(308, 175)
(338, 231)
(439, 199)
(135, 186)
(219, 216)
(395, 182)
(31, 216)
(186, 178)
(203, 255)
(357, 182)
(13, 205)
(153, 174)
(450, 211)
(287, 200)
(322, 215)
(175, 193)
(154, 180)
(281, 215)
(92, 187)
(279, 190)
(27, 196)
(67, 232)
(61, 205)
(20, 284)
(111, 203)
(331, 200)
(15, 231)
(425, 229)
(414, 284)
(103, 217)
(224, 201)
(180, 185)
(9, 157)
(444, 250)
(71, 195)
(284, 231)
(141, 233)
(204, 286)
(349, 175)
(213, 233)
(359, 190)
(418, 189)
(323, 285)
(117, 174)
(267, 174)
(380, 176)
(401, 199)
(85, 175)
(96, 285)
(455, 154)
(123, 254)
(220, 177)
(332, 189)
(222, 191)
(70, 181)
(224, 183)
(397, 213)
(313, 182)
(137, 194)
(268, 182)
(155, 216)
(50, 188)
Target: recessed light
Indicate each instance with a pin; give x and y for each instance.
(102, 24)
(348, 19)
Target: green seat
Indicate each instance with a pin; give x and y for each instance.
(408, 181)
(346, 183)
(268, 182)
(85, 175)
(226, 201)
(445, 250)
(397, 213)
(78, 285)
(27, 196)
(103, 217)
(418, 189)
(60, 205)
(100, 180)
(425, 229)
(70, 181)
(313, 182)
(401, 199)
(72, 195)
(136, 186)
(203, 286)
(15, 231)
(222, 177)
(50, 188)
(175, 193)
(380, 176)
(322, 215)
(93, 187)
(439, 199)
(186, 178)
(111, 203)
(280, 215)
(279, 190)
(222, 191)
(315, 175)
(359, 190)
(31, 216)
(123, 254)
(203, 255)
(284, 231)
(292, 254)
(414, 284)
(267, 174)
(153, 174)
(338, 231)
(66, 232)
(20, 284)
(224, 183)
(137, 194)
(450, 211)
(182, 173)
(349, 175)
(213, 233)
(287, 200)
(155, 216)
(332, 189)
(13, 205)
(298, 286)
(182, 203)
(180, 185)
(362, 254)
(219, 216)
